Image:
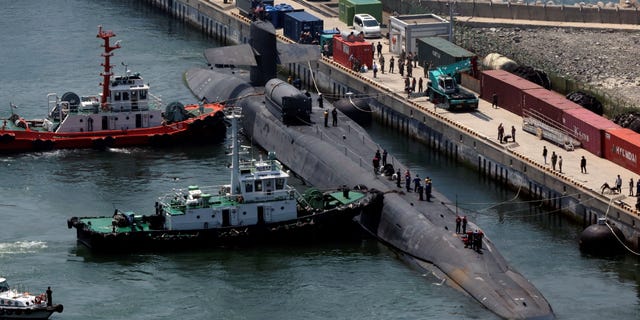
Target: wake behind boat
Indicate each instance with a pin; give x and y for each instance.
(257, 207)
(16, 304)
(125, 114)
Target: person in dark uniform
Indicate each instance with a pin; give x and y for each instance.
(384, 157)
(378, 153)
(320, 101)
(494, 100)
(416, 183)
(326, 118)
(421, 192)
(427, 189)
(458, 222)
(334, 114)
(407, 181)
(583, 165)
(49, 297)
(391, 64)
(464, 224)
(399, 186)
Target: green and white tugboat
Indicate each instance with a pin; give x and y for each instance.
(257, 207)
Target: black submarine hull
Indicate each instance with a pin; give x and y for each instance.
(422, 232)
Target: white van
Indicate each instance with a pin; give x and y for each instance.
(366, 24)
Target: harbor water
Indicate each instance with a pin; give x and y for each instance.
(50, 46)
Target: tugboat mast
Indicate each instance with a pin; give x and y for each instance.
(235, 157)
(106, 74)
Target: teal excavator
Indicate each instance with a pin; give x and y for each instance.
(444, 91)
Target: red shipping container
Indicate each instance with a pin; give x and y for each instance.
(588, 128)
(361, 50)
(546, 105)
(507, 86)
(622, 146)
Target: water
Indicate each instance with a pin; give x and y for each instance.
(56, 51)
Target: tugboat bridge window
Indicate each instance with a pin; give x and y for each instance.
(279, 183)
(248, 187)
(258, 185)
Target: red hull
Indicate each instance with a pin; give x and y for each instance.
(199, 129)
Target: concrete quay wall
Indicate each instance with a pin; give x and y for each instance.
(507, 10)
(490, 158)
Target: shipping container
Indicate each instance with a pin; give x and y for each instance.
(622, 146)
(507, 86)
(295, 23)
(546, 105)
(361, 50)
(441, 52)
(326, 38)
(588, 128)
(277, 17)
(348, 8)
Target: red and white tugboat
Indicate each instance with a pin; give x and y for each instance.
(15, 304)
(124, 114)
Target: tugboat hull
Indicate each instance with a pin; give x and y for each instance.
(29, 313)
(333, 224)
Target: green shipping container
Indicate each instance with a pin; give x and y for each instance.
(440, 52)
(348, 8)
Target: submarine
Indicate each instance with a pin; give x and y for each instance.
(279, 117)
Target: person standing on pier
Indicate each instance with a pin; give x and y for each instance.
(381, 60)
(420, 87)
(398, 178)
(583, 164)
(391, 62)
(619, 184)
(320, 101)
(631, 187)
(560, 163)
(326, 118)
(413, 84)
(513, 133)
(401, 67)
(375, 69)
(379, 47)
(458, 222)
(407, 180)
(554, 160)
(544, 154)
(384, 157)
(494, 100)
(409, 69)
(638, 187)
(334, 114)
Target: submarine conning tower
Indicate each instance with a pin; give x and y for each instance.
(285, 100)
(264, 42)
